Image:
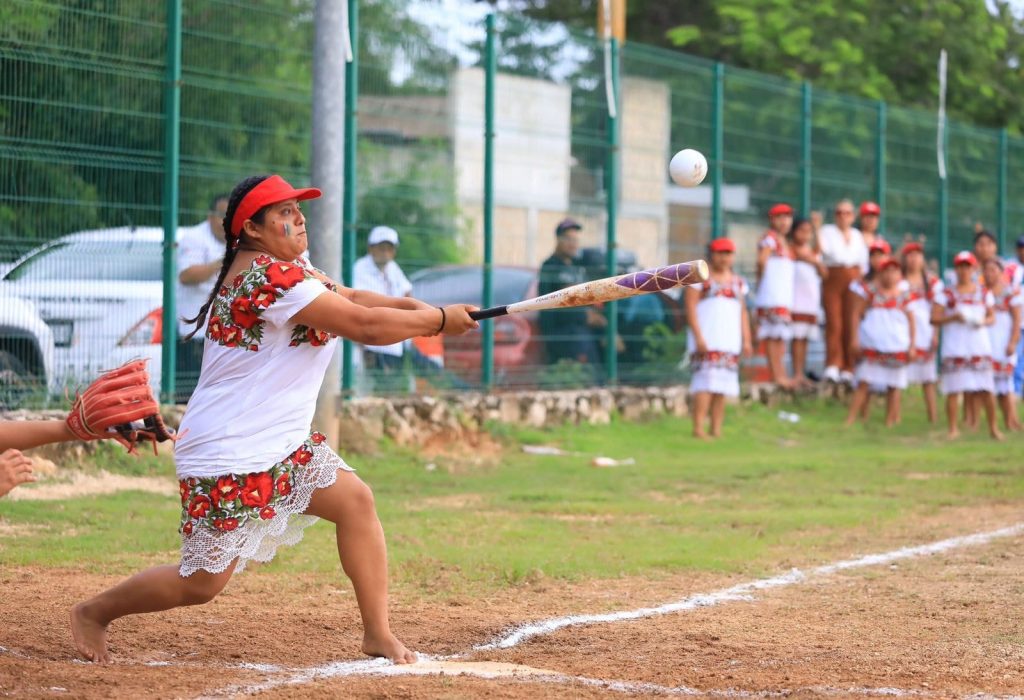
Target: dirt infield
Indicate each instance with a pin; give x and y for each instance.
(936, 626)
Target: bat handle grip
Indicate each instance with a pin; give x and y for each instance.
(488, 313)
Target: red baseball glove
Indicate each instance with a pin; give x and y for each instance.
(119, 405)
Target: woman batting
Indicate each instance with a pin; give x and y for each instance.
(252, 473)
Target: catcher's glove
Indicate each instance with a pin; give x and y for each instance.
(119, 405)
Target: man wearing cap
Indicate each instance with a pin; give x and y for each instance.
(844, 253)
(378, 272)
(870, 217)
(200, 256)
(568, 333)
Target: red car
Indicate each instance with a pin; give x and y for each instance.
(517, 350)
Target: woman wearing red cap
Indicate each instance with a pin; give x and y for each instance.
(774, 299)
(963, 310)
(253, 475)
(883, 331)
(870, 218)
(924, 289)
(1003, 335)
(719, 332)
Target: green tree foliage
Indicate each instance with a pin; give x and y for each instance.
(878, 49)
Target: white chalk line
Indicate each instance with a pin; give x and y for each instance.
(741, 592)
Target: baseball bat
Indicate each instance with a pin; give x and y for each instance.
(656, 279)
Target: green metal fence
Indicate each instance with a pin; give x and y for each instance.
(472, 160)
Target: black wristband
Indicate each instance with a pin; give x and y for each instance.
(443, 319)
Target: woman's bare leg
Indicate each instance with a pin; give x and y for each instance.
(776, 351)
(928, 389)
(860, 397)
(717, 414)
(892, 414)
(348, 503)
(951, 410)
(798, 348)
(971, 410)
(988, 400)
(159, 588)
(701, 406)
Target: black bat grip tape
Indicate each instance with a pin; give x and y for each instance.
(488, 313)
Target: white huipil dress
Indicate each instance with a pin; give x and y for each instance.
(806, 310)
(966, 348)
(774, 299)
(922, 369)
(999, 334)
(884, 338)
(719, 314)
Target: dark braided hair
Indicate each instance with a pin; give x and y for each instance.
(230, 248)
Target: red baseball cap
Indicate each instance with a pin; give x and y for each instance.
(780, 210)
(911, 247)
(870, 209)
(965, 257)
(722, 245)
(271, 191)
(880, 246)
(888, 262)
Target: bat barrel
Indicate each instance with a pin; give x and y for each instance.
(661, 278)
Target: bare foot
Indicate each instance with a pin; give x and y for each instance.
(996, 435)
(952, 434)
(700, 435)
(90, 635)
(389, 647)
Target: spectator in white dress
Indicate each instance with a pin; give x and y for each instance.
(808, 271)
(774, 300)
(1004, 334)
(924, 288)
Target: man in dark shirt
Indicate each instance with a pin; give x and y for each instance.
(568, 333)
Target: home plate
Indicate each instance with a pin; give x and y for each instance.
(480, 669)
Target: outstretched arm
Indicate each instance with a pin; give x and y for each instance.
(26, 434)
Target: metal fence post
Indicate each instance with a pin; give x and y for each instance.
(944, 222)
(611, 357)
(717, 139)
(1001, 189)
(880, 164)
(806, 126)
(172, 161)
(490, 75)
(348, 226)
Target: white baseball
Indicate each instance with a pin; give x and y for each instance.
(688, 168)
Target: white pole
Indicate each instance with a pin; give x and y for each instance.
(328, 159)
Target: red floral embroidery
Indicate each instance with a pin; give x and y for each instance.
(264, 296)
(284, 276)
(257, 490)
(243, 313)
(227, 489)
(215, 329)
(199, 507)
(284, 485)
(263, 260)
(228, 502)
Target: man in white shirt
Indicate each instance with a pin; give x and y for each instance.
(200, 254)
(844, 253)
(378, 272)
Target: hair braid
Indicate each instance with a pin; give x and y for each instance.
(230, 250)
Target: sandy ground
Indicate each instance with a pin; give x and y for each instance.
(946, 625)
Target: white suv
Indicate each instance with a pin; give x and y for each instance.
(101, 295)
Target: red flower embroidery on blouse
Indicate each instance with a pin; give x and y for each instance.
(225, 524)
(215, 329)
(263, 260)
(267, 513)
(257, 490)
(243, 313)
(187, 529)
(302, 455)
(231, 336)
(237, 282)
(199, 507)
(264, 296)
(227, 489)
(183, 490)
(284, 485)
(284, 276)
(317, 438)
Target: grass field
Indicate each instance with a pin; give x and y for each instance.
(768, 492)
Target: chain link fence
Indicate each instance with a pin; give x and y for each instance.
(82, 126)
